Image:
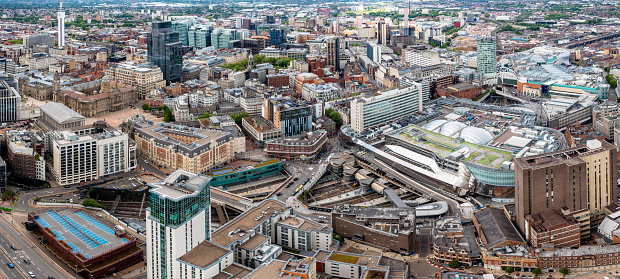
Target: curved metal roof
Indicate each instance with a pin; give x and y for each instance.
(451, 128)
(431, 126)
(475, 135)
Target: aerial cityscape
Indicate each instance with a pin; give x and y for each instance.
(307, 139)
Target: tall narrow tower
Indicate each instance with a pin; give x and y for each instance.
(61, 26)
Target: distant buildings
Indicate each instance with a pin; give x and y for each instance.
(56, 116)
(39, 40)
(260, 129)
(165, 50)
(97, 97)
(459, 90)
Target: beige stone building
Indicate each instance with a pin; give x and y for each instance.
(97, 97)
(174, 147)
(144, 76)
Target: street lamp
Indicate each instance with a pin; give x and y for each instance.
(76, 271)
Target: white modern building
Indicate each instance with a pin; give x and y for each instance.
(10, 103)
(87, 153)
(321, 92)
(378, 109)
(61, 26)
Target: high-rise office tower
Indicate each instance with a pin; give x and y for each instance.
(178, 219)
(487, 56)
(373, 51)
(182, 27)
(383, 33)
(165, 50)
(220, 37)
(200, 36)
(61, 26)
(579, 181)
(277, 33)
(333, 52)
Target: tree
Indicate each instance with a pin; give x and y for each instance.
(618, 100)
(167, 114)
(8, 194)
(206, 115)
(611, 80)
(509, 270)
(537, 271)
(238, 117)
(91, 203)
(564, 271)
(333, 115)
(455, 263)
(146, 106)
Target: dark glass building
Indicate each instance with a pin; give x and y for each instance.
(166, 50)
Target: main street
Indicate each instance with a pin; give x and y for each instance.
(40, 265)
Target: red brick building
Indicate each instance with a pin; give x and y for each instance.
(551, 227)
(306, 145)
(278, 80)
(460, 90)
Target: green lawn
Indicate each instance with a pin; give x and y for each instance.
(488, 159)
(344, 258)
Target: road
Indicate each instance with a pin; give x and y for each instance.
(41, 265)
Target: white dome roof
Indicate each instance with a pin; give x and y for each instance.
(431, 126)
(451, 128)
(475, 135)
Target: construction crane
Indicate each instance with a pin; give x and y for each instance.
(71, 39)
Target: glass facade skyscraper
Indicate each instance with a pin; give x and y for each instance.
(165, 50)
(487, 56)
(277, 33)
(199, 36)
(220, 37)
(178, 219)
(182, 27)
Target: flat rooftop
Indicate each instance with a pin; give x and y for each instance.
(205, 254)
(180, 184)
(445, 146)
(246, 221)
(84, 233)
(273, 269)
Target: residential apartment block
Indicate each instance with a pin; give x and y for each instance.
(180, 147)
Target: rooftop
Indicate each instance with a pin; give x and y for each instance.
(496, 227)
(61, 113)
(443, 143)
(180, 184)
(189, 140)
(237, 229)
(205, 254)
(82, 232)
